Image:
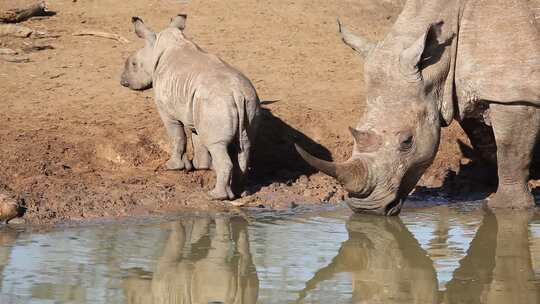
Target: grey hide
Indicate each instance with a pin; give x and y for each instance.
(196, 93)
(444, 60)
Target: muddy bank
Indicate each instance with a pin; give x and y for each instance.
(75, 144)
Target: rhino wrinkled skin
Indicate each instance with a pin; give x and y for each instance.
(196, 92)
(444, 60)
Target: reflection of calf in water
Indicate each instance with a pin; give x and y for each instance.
(198, 266)
(386, 263)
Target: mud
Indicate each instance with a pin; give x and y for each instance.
(74, 144)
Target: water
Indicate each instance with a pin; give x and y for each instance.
(431, 255)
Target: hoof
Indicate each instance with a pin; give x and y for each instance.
(179, 164)
(218, 195)
(187, 163)
(506, 200)
(174, 164)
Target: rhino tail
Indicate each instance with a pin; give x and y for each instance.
(243, 138)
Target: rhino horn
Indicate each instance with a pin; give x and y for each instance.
(357, 43)
(352, 174)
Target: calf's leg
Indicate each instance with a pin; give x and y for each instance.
(246, 138)
(515, 128)
(243, 165)
(201, 156)
(223, 167)
(177, 135)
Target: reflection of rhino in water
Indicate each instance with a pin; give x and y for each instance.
(498, 266)
(197, 266)
(387, 264)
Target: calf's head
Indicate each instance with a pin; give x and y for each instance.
(139, 67)
(398, 138)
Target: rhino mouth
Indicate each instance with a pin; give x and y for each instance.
(389, 207)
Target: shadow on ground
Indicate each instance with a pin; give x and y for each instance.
(476, 177)
(274, 157)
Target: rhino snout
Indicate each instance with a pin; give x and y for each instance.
(389, 206)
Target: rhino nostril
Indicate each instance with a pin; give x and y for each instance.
(124, 82)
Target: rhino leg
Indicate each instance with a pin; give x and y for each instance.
(223, 167)
(177, 135)
(246, 137)
(243, 162)
(243, 165)
(482, 139)
(516, 128)
(201, 157)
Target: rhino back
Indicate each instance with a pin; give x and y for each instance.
(498, 56)
(188, 80)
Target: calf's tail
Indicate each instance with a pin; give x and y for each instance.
(243, 123)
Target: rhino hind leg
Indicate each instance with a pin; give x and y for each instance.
(175, 129)
(515, 128)
(223, 167)
(243, 166)
(201, 155)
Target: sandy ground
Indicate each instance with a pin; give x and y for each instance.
(75, 144)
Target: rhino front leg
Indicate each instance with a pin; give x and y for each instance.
(516, 128)
(201, 157)
(223, 167)
(177, 135)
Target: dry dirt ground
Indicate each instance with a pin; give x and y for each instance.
(75, 144)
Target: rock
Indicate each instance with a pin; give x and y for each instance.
(15, 30)
(15, 58)
(6, 51)
(10, 207)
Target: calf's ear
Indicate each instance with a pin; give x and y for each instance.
(179, 22)
(142, 30)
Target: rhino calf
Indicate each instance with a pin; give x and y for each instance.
(196, 93)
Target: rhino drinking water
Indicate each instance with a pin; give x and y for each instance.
(472, 61)
(196, 92)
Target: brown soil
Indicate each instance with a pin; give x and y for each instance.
(75, 144)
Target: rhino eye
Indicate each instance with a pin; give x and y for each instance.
(406, 143)
(133, 63)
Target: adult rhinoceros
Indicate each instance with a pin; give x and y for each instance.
(443, 60)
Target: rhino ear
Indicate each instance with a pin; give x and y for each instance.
(410, 58)
(357, 43)
(179, 22)
(142, 30)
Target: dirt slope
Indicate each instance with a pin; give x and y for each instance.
(75, 144)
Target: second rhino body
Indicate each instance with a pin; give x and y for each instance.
(196, 93)
(477, 62)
